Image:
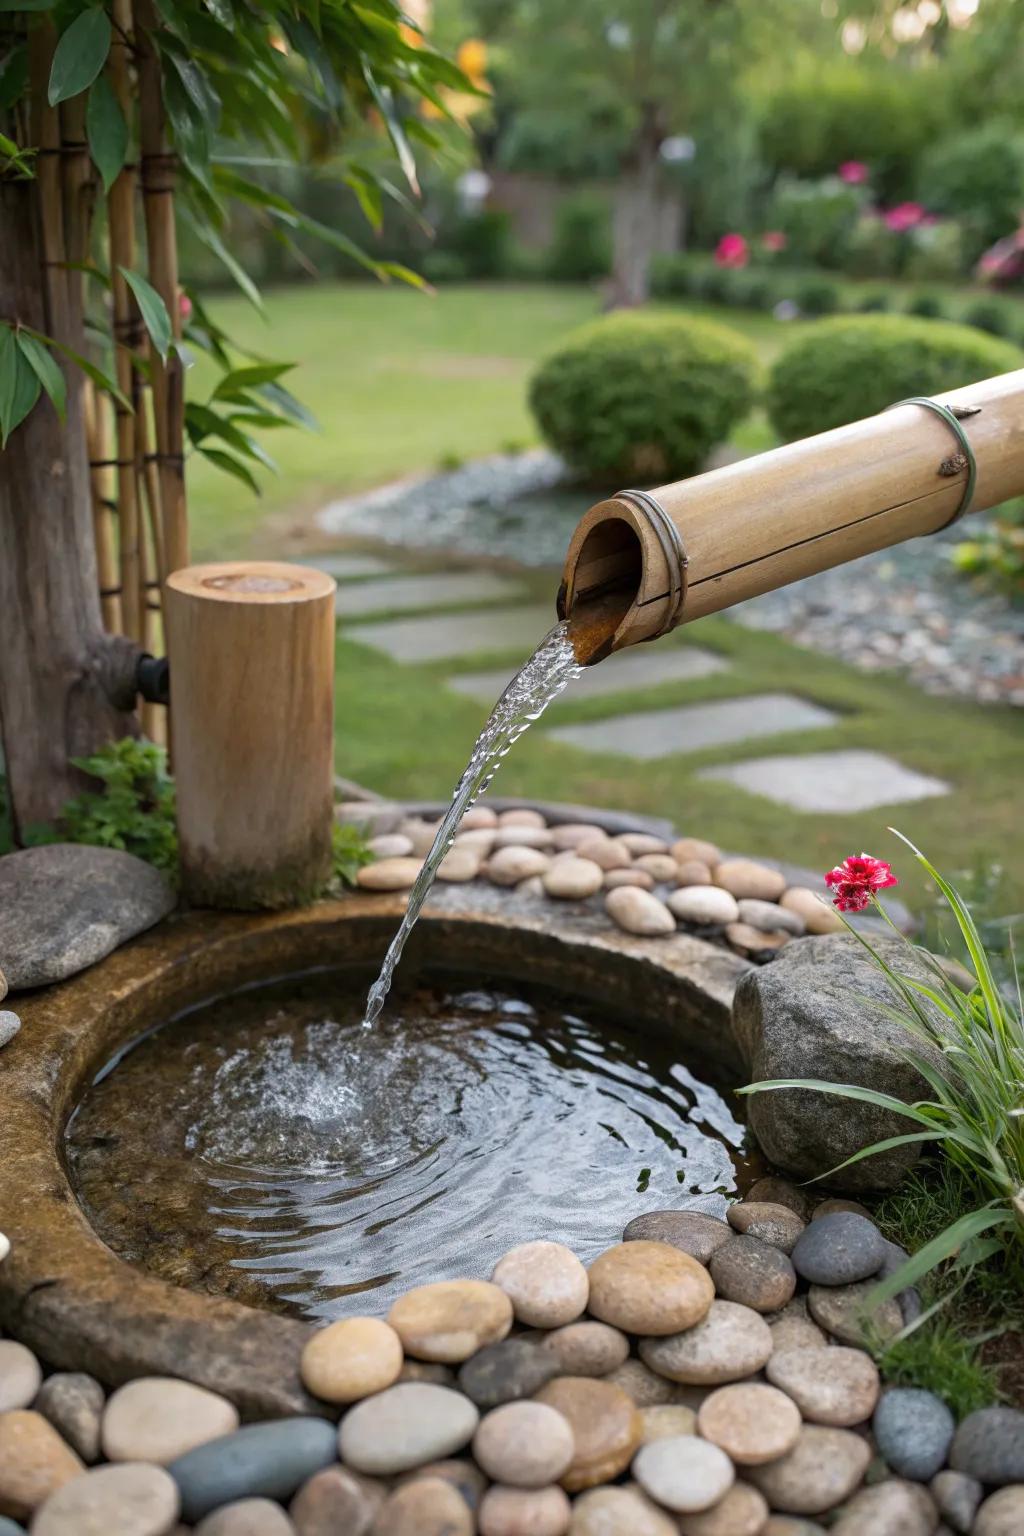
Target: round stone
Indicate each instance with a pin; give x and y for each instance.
(684, 1474)
(459, 865)
(586, 1349)
(838, 1249)
(605, 1427)
(9, 1026)
(692, 1232)
(73, 1403)
(420, 833)
(745, 878)
(427, 1507)
(573, 879)
(158, 1419)
(770, 917)
(788, 1525)
(643, 1385)
(510, 866)
(601, 850)
(639, 843)
(638, 877)
(390, 845)
(706, 905)
(649, 1288)
(829, 1207)
(506, 1372)
(521, 816)
(427, 1370)
(451, 1319)
(775, 1191)
(20, 1375)
(625, 1511)
(792, 1328)
(389, 874)
(753, 1273)
(522, 837)
(524, 1512)
(957, 1497)
(270, 1461)
(34, 1462)
(914, 1430)
(350, 1359)
(526, 1445)
(845, 1312)
(822, 1469)
(545, 1282)
(480, 841)
(665, 1421)
(989, 1445)
(754, 941)
(818, 914)
(750, 1422)
(660, 866)
(774, 1224)
(247, 1517)
(894, 1506)
(731, 1342)
(742, 1512)
(337, 1499)
(639, 912)
(405, 1426)
(572, 833)
(1002, 1513)
(834, 1385)
(692, 872)
(461, 1472)
(479, 818)
(133, 1500)
(695, 848)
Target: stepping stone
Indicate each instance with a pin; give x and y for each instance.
(343, 567)
(517, 630)
(625, 672)
(692, 728)
(406, 593)
(830, 781)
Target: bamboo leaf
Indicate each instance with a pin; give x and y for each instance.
(46, 371)
(107, 130)
(214, 243)
(396, 130)
(153, 310)
(99, 378)
(80, 55)
(21, 396)
(231, 466)
(248, 378)
(286, 402)
(8, 380)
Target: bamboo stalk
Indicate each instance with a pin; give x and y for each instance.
(127, 337)
(98, 437)
(80, 182)
(159, 169)
(46, 134)
(771, 520)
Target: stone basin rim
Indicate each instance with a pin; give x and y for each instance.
(82, 1307)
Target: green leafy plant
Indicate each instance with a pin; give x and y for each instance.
(996, 553)
(641, 397)
(581, 250)
(133, 811)
(349, 852)
(975, 1116)
(854, 365)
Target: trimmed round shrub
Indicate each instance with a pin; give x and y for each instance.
(637, 397)
(854, 366)
(928, 306)
(873, 304)
(817, 296)
(989, 315)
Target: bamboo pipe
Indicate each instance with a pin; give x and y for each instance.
(767, 521)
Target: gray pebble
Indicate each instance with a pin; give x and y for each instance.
(913, 1429)
(958, 1497)
(73, 1404)
(260, 1460)
(989, 1445)
(694, 1232)
(910, 1299)
(9, 1025)
(10, 1527)
(770, 918)
(839, 1249)
(753, 1273)
(506, 1372)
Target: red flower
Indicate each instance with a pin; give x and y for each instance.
(732, 251)
(857, 879)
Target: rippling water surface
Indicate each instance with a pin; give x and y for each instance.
(268, 1147)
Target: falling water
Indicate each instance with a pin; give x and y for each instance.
(551, 668)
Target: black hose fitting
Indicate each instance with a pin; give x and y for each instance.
(153, 678)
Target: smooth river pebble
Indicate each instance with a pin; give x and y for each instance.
(637, 911)
(692, 1232)
(746, 878)
(34, 1462)
(1002, 1513)
(742, 1512)
(128, 1500)
(527, 1445)
(545, 1282)
(337, 1499)
(752, 1423)
(822, 1469)
(732, 1342)
(769, 917)
(957, 1497)
(605, 1424)
(686, 1474)
(819, 915)
(451, 1319)
(20, 1375)
(247, 1517)
(696, 848)
(753, 1273)
(586, 1349)
(258, 1461)
(506, 1372)
(625, 1511)
(835, 1386)
(9, 1026)
(350, 1359)
(404, 1427)
(509, 866)
(389, 875)
(989, 1445)
(772, 1190)
(427, 1507)
(74, 1403)
(524, 1512)
(706, 905)
(793, 1328)
(158, 1419)
(772, 1223)
(573, 879)
(649, 1288)
(665, 1421)
(892, 1506)
(845, 1312)
(913, 1430)
(630, 876)
(644, 1386)
(838, 1249)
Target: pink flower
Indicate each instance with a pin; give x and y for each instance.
(773, 240)
(904, 216)
(853, 172)
(184, 305)
(732, 251)
(857, 879)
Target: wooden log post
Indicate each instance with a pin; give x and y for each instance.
(251, 652)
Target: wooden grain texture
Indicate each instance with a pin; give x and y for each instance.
(251, 650)
(767, 521)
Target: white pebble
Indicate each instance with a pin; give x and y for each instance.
(638, 911)
(507, 866)
(573, 879)
(391, 845)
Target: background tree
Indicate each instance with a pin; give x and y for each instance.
(119, 121)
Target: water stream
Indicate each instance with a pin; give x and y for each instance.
(551, 668)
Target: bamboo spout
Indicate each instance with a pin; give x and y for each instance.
(733, 533)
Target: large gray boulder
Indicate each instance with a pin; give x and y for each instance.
(812, 1014)
(65, 905)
